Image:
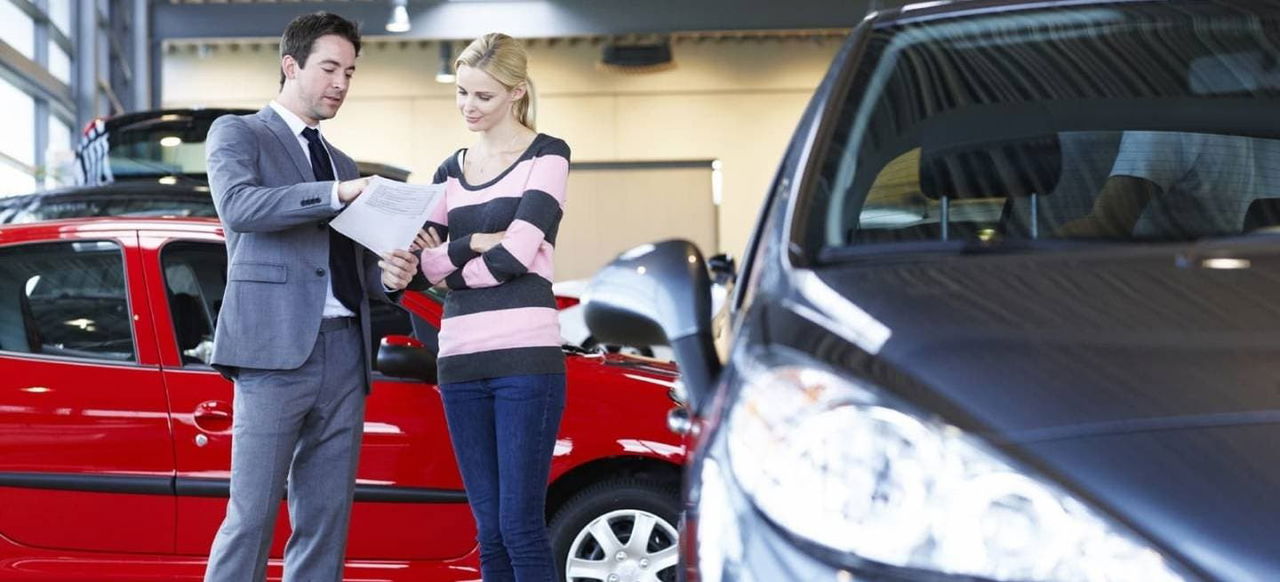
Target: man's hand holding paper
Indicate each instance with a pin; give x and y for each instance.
(398, 268)
(387, 215)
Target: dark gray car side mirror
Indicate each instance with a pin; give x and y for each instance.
(401, 356)
(659, 294)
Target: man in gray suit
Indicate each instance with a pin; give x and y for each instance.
(293, 331)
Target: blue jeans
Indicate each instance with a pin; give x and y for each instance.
(503, 432)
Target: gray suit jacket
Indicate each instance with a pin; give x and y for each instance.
(276, 222)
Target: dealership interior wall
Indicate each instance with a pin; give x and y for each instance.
(727, 106)
(734, 99)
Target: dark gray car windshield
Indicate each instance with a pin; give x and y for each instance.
(1121, 121)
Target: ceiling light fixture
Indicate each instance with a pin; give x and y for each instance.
(399, 17)
(637, 57)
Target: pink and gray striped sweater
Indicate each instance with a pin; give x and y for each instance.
(500, 316)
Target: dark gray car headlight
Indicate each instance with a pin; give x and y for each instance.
(845, 467)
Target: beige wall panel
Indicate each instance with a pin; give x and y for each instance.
(588, 123)
(610, 211)
(219, 78)
(700, 67)
(380, 127)
(747, 133)
(399, 70)
(438, 133)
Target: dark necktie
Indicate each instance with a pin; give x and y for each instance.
(342, 252)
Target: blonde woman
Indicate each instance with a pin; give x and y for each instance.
(501, 369)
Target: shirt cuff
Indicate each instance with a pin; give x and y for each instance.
(334, 201)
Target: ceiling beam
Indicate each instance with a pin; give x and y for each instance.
(465, 19)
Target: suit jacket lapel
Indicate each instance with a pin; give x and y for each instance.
(288, 140)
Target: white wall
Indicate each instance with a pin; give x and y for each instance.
(736, 100)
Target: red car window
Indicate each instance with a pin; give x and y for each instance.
(66, 299)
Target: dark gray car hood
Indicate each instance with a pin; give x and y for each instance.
(1047, 344)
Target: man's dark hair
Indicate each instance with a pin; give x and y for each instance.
(302, 33)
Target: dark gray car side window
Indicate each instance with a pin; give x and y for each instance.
(66, 299)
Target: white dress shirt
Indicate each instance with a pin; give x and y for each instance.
(332, 307)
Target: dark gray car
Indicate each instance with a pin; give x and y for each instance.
(1010, 311)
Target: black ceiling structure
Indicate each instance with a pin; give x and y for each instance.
(464, 19)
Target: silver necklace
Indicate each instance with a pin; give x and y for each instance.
(484, 168)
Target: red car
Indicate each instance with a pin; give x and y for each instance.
(115, 433)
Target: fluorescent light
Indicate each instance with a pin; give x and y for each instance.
(1226, 263)
(171, 141)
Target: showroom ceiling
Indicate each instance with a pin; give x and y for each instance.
(461, 19)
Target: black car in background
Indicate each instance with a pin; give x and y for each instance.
(119, 199)
(148, 163)
(1010, 311)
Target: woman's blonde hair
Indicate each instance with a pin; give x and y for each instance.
(504, 59)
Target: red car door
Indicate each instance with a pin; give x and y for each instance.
(410, 504)
(86, 452)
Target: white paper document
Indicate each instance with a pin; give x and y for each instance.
(388, 214)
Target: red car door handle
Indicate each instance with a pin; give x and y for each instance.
(213, 416)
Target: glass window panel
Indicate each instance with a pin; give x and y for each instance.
(59, 63)
(18, 138)
(104, 105)
(59, 158)
(17, 29)
(15, 181)
(60, 14)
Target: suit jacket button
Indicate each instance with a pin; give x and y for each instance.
(319, 272)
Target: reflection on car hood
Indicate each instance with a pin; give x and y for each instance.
(1206, 492)
(1092, 342)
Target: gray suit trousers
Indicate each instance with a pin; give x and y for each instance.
(306, 425)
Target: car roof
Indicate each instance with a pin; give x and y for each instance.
(148, 187)
(925, 10)
(163, 115)
(56, 228)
